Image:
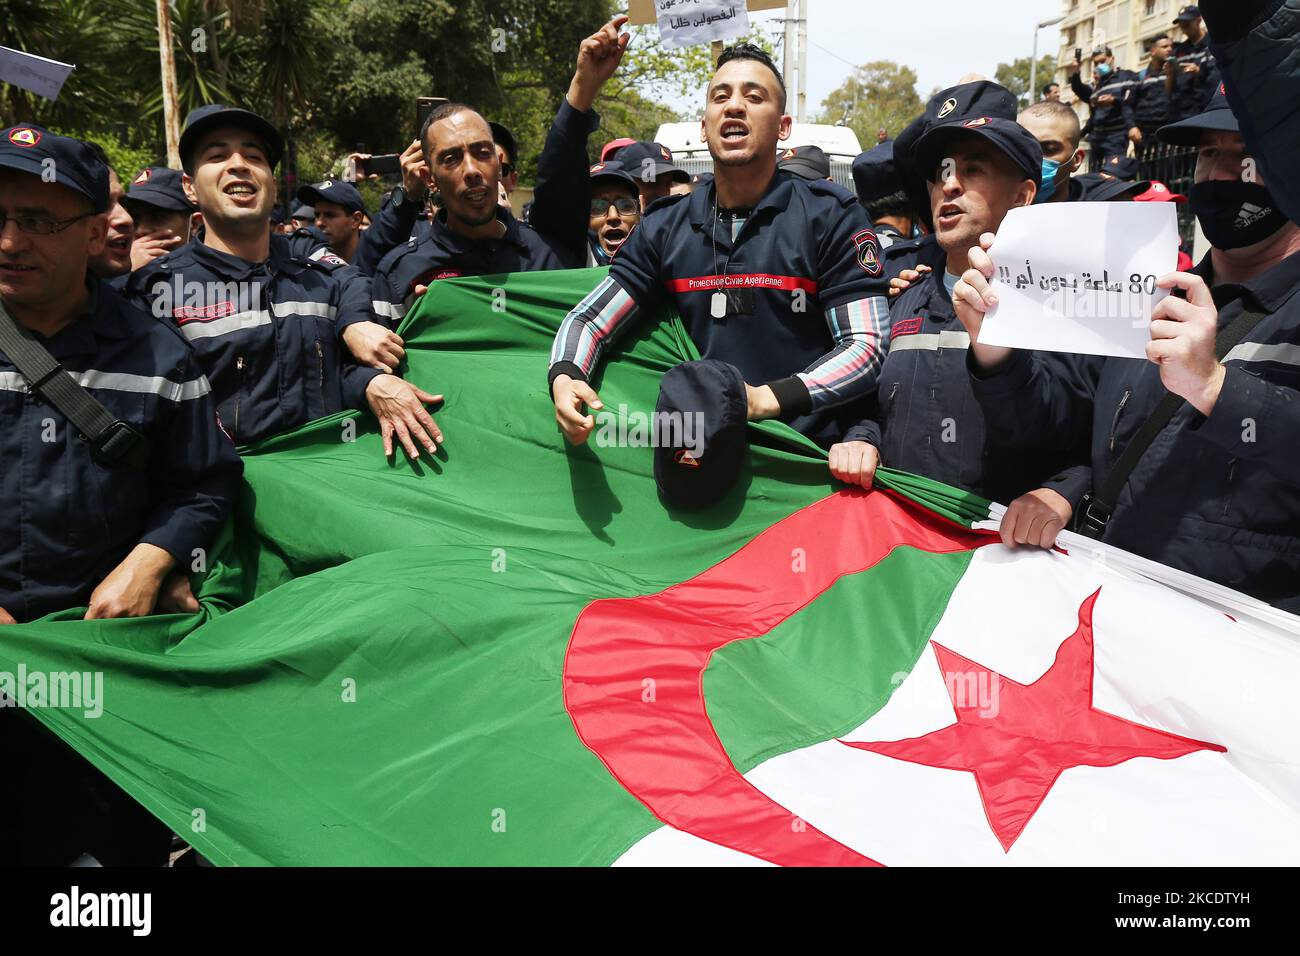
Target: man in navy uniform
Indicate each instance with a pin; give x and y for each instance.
(272, 329)
(339, 214)
(926, 418)
(778, 276)
(1192, 74)
(113, 523)
(1148, 105)
(163, 214)
(82, 528)
(1105, 130)
(472, 234)
(651, 164)
(1216, 492)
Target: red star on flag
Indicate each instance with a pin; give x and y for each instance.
(1018, 739)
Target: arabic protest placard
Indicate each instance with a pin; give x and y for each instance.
(688, 22)
(35, 73)
(1081, 276)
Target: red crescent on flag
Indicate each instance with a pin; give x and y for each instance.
(666, 753)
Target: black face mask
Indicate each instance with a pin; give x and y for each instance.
(1233, 213)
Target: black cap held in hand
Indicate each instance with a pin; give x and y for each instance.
(700, 434)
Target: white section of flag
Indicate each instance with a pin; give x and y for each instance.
(1163, 659)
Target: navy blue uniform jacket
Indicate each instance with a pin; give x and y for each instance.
(69, 521)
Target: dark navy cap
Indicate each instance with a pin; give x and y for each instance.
(158, 186)
(980, 98)
(338, 191)
(614, 170)
(303, 212)
(75, 164)
(705, 402)
(1099, 188)
(278, 217)
(1120, 167)
(807, 162)
(701, 179)
(1217, 117)
(505, 139)
(1006, 135)
(215, 115)
(640, 156)
(1187, 14)
(875, 174)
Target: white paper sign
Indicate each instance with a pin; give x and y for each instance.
(36, 73)
(1080, 276)
(687, 22)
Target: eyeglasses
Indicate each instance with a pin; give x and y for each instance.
(40, 225)
(625, 205)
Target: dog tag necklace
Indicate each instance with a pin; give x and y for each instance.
(719, 302)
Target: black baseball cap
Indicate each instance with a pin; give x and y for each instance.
(979, 98)
(707, 399)
(1120, 167)
(26, 148)
(1188, 13)
(614, 171)
(1099, 188)
(807, 162)
(157, 186)
(641, 156)
(875, 174)
(215, 115)
(1009, 137)
(505, 139)
(303, 212)
(338, 191)
(1216, 117)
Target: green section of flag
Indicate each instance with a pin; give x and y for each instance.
(376, 674)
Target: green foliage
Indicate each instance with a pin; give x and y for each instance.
(125, 159)
(681, 74)
(336, 74)
(1015, 76)
(879, 94)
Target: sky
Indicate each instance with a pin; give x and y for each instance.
(940, 39)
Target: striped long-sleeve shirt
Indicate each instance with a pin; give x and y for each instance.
(802, 282)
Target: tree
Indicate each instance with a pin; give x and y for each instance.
(656, 72)
(1015, 76)
(879, 94)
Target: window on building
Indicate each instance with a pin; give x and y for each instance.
(1150, 8)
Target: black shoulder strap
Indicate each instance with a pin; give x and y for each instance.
(1101, 504)
(112, 441)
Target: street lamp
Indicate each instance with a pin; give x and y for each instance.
(1033, 63)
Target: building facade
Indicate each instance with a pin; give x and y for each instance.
(1123, 25)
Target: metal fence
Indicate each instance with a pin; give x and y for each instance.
(1175, 166)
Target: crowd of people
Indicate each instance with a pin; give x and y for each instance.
(150, 332)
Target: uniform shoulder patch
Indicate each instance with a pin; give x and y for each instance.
(868, 251)
(325, 257)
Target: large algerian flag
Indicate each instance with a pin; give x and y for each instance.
(517, 655)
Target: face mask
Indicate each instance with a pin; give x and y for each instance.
(1103, 70)
(1233, 213)
(1048, 189)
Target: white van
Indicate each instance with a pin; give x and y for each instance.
(839, 143)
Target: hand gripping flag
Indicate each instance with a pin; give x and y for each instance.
(515, 654)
